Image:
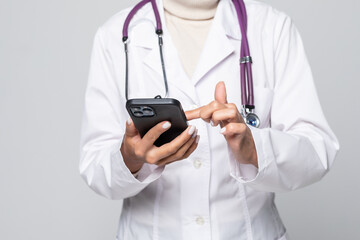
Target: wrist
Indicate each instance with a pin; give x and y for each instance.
(133, 165)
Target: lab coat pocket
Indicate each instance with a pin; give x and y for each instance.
(263, 100)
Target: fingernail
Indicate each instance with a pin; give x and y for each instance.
(212, 123)
(129, 121)
(166, 125)
(197, 138)
(195, 133)
(191, 130)
(222, 131)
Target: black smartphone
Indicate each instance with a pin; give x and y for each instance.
(147, 112)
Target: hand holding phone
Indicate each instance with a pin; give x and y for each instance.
(137, 150)
(147, 112)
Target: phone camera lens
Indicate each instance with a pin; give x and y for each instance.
(138, 114)
(136, 109)
(148, 111)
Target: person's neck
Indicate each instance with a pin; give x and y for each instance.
(191, 9)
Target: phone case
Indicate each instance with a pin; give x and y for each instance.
(163, 109)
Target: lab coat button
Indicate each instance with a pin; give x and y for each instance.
(197, 163)
(200, 220)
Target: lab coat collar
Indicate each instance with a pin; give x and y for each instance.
(218, 45)
(225, 17)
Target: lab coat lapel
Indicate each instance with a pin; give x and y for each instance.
(218, 46)
(143, 36)
(174, 74)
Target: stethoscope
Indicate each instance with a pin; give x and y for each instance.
(246, 80)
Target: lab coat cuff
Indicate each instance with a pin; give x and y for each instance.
(248, 173)
(147, 174)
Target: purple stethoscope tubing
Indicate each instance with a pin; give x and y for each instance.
(159, 33)
(135, 10)
(246, 79)
(247, 96)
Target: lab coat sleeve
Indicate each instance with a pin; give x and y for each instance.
(103, 126)
(300, 147)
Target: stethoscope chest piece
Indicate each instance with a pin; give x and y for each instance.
(249, 116)
(252, 119)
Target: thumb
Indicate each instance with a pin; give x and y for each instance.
(220, 92)
(131, 130)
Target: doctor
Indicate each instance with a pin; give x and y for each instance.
(220, 185)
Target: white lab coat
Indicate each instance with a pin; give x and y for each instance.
(209, 195)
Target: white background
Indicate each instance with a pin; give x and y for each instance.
(45, 48)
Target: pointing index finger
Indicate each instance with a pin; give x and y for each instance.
(193, 114)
